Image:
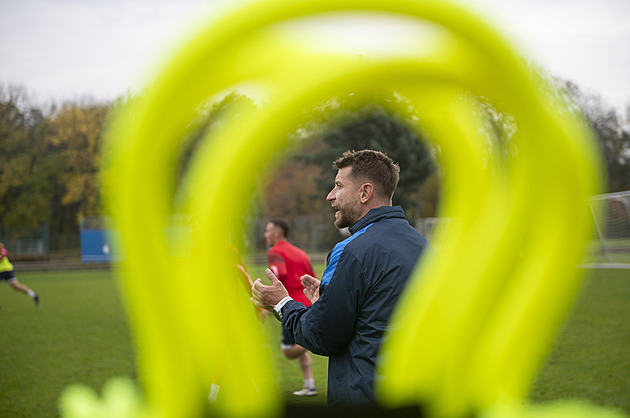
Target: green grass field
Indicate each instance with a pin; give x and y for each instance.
(79, 334)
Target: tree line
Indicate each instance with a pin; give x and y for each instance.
(49, 163)
(50, 157)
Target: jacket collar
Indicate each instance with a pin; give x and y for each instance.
(377, 214)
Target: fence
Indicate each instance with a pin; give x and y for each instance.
(26, 243)
(315, 234)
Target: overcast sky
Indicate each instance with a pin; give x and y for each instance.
(68, 49)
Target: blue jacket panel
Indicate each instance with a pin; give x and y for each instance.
(364, 277)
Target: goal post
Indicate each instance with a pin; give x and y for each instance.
(611, 212)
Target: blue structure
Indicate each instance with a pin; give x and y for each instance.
(96, 246)
(100, 238)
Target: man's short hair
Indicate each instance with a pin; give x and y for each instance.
(374, 166)
(282, 224)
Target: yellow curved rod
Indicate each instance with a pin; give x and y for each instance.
(478, 315)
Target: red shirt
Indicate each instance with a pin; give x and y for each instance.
(289, 263)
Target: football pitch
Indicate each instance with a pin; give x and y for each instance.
(80, 334)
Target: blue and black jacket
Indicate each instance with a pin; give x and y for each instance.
(364, 277)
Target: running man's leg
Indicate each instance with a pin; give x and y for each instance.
(24, 289)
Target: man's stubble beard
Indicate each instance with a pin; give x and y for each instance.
(347, 218)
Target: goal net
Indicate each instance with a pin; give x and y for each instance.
(611, 212)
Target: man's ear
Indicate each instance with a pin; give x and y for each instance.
(365, 192)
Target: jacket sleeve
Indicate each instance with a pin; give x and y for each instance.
(328, 325)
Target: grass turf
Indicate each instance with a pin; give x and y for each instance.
(79, 334)
(590, 357)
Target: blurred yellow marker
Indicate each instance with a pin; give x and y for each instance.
(475, 322)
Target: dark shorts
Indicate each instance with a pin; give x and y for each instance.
(287, 339)
(7, 275)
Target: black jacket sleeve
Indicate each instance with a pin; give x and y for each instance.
(326, 327)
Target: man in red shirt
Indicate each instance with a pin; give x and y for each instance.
(289, 264)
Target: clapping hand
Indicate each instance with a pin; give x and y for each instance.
(266, 297)
(311, 287)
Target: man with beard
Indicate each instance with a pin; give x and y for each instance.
(364, 276)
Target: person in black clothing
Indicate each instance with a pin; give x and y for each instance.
(365, 275)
